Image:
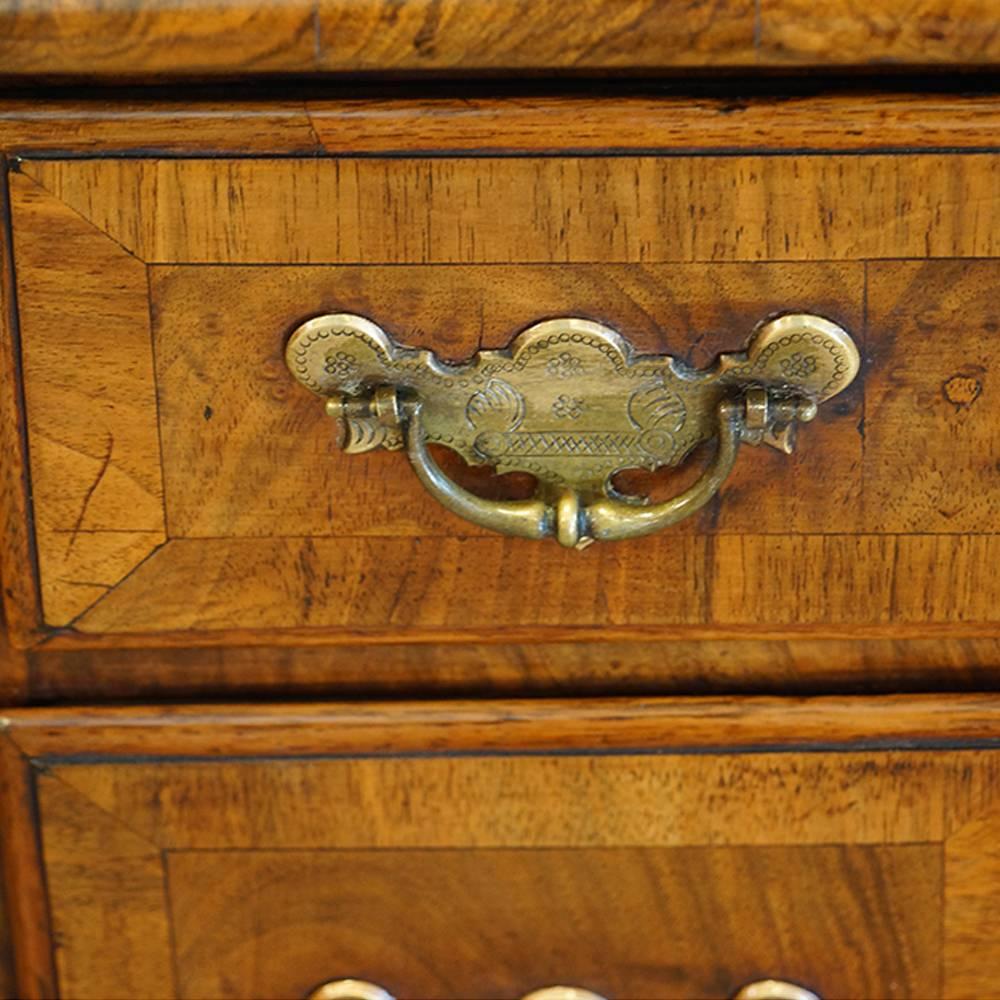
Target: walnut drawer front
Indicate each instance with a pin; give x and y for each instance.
(184, 486)
(636, 848)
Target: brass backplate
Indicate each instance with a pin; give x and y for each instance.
(569, 401)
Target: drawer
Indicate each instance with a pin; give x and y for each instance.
(639, 849)
(187, 491)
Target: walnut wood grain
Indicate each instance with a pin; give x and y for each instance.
(927, 394)
(134, 39)
(23, 874)
(744, 666)
(862, 120)
(972, 871)
(186, 39)
(629, 922)
(891, 584)
(888, 563)
(248, 454)
(90, 403)
(335, 36)
(124, 791)
(163, 125)
(15, 669)
(107, 897)
(928, 31)
(518, 800)
(21, 613)
(536, 724)
(828, 122)
(677, 586)
(8, 983)
(537, 209)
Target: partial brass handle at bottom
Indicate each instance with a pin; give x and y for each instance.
(562, 993)
(570, 403)
(349, 989)
(358, 989)
(774, 989)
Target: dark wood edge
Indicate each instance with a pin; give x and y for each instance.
(24, 875)
(524, 125)
(21, 600)
(68, 639)
(507, 726)
(15, 668)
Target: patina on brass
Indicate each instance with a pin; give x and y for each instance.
(572, 404)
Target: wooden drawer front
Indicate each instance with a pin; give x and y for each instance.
(491, 866)
(184, 485)
(625, 922)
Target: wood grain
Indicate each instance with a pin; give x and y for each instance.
(632, 922)
(972, 873)
(15, 670)
(929, 31)
(232, 37)
(23, 874)
(21, 615)
(526, 34)
(595, 668)
(867, 120)
(283, 555)
(143, 39)
(548, 801)
(679, 586)
(287, 564)
(8, 984)
(863, 119)
(163, 125)
(90, 400)
(538, 209)
(930, 402)
(107, 893)
(495, 725)
(276, 800)
(248, 454)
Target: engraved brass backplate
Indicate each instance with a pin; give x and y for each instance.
(571, 403)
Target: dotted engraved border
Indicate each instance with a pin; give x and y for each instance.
(835, 350)
(304, 346)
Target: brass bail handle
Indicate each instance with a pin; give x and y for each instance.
(571, 403)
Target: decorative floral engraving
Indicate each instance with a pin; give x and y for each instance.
(565, 366)
(340, 365)
(799, 365)
(567, 408)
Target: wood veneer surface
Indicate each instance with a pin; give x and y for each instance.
(233, 37)
(193, 261)
(155, 820)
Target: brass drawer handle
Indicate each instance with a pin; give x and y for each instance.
(358, 989)
(349, 989)
(774, 989)
(571, 403)
(562, 993)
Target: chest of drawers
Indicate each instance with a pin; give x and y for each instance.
(277, 715)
